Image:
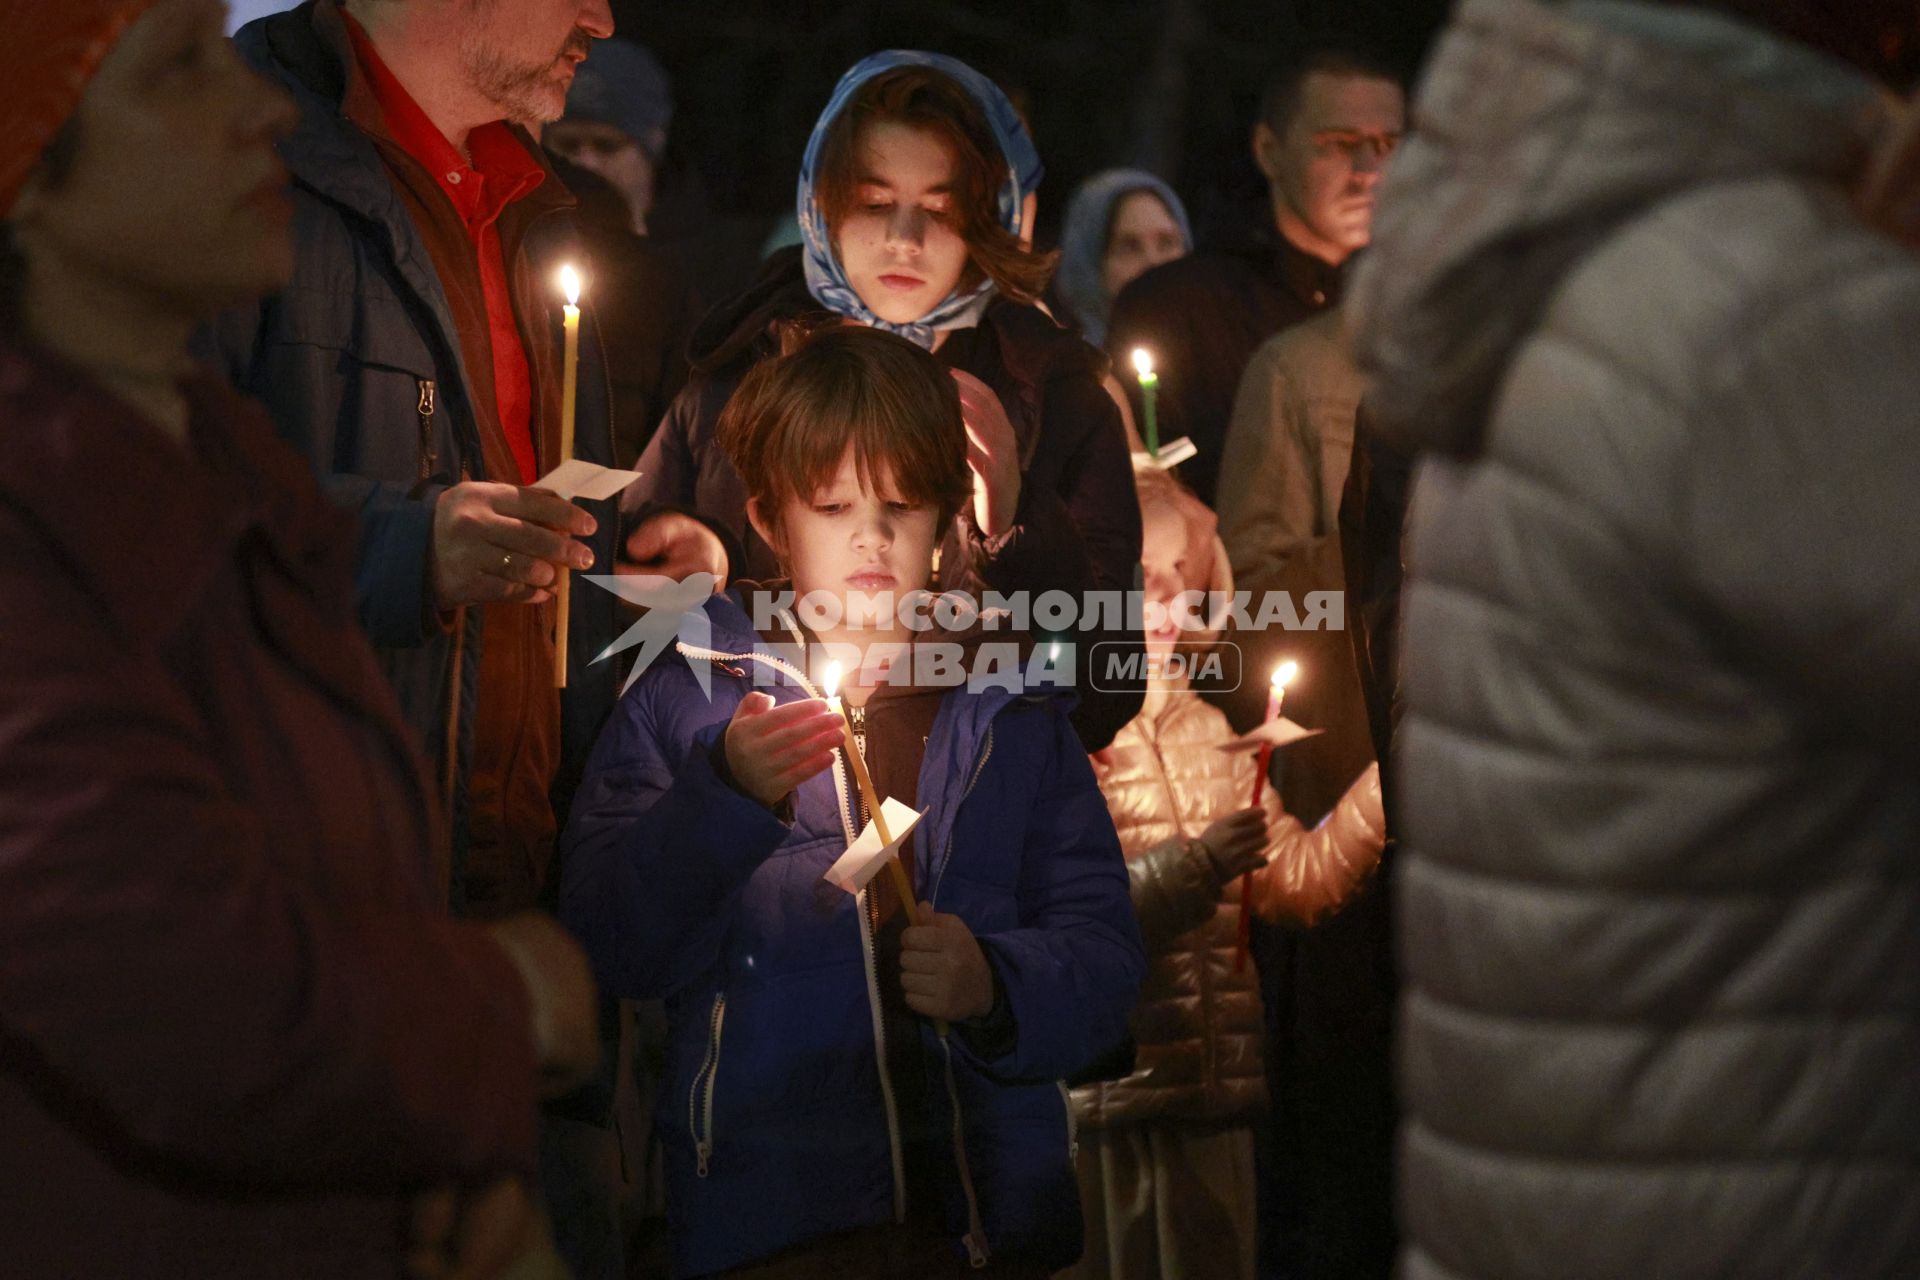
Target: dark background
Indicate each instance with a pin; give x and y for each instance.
(1170, 85)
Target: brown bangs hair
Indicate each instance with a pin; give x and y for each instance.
(925, 99)
(793, 417)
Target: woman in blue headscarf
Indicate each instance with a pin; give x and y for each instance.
(1121, 223)
(915, 195)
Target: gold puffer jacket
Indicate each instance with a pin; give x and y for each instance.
(1199, 1024)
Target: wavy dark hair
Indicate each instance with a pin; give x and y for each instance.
(794, 417)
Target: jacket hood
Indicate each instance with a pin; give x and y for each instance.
(744, 325)
(1538, 132)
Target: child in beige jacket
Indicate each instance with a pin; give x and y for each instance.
(1166, 1155)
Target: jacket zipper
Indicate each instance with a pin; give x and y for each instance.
(699, 1102)
(976, 1238)
(429, 401)
(841, 789)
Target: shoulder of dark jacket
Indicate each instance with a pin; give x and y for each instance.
(1037, 349)
(287, 43)
(738, 331)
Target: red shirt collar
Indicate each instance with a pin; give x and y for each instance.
(501, 172)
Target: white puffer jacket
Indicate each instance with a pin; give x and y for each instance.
(1657, 775)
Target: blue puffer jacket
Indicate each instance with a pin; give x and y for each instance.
(777, 1123)
(359, 363)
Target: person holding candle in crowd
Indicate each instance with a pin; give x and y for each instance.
(917, 185)
(1328, 120)
(239, 1035)
(818, 1118)
(416, 362)
(1166, 1161)
(1285, 467)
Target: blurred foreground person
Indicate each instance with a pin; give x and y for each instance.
(1660, 905)
(238, 1034)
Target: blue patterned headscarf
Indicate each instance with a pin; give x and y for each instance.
(1083, 243)
(827, 279)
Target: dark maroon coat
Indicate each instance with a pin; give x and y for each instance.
(234, 1038)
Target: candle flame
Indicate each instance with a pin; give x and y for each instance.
(832, 683)
(1143, 361)
(1283, 675)
(570, 282)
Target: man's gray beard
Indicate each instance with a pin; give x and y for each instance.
(525, 95)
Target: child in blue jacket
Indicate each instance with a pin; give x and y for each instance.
(848, 1093)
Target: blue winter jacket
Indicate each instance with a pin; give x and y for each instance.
(775, 1118)
(359, 364)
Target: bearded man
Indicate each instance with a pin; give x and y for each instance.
(415, 360)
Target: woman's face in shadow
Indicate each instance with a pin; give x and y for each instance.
(1143, 235)
(898, 243)
(173, 188)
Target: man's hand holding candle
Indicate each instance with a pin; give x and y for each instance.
(771, 749)
(500, 544)
(944, 973)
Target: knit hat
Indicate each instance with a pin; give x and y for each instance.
(48, 53)
(622, 84)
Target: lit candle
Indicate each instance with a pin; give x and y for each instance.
(1277, 688)
(855, 760)
(1276, 699)
(864, 780)
(1149, 397)
(569, 388)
